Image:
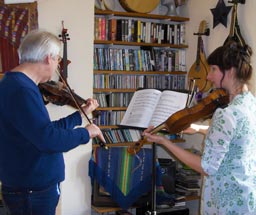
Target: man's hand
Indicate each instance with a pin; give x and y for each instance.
(91, 105)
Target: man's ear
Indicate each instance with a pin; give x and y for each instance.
(47, 59)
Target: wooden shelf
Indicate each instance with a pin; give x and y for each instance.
(124, 43)
(1, 75)
(113, 209)
(192, 198)
(105, 90)
(129, 143)
(142, 15)
(105, 209)
(118, 72)
(112, 108)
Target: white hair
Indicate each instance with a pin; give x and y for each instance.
(38, 44)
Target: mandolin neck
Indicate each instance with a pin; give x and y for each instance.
(233, 21)
(199, 39)
(234, 33)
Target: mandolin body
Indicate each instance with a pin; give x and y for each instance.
(198, 72)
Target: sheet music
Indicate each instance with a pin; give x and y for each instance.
(152, 107)
(141, 108)
(169, 103)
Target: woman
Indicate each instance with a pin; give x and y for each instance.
(228, 161)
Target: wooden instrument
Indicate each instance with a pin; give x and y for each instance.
(139, 6)
(200, 68)
(58, 92)
(182, 119)
(235, 33)
(64, 62)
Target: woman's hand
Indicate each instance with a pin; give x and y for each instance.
(154, 137)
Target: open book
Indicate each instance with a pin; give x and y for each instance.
(152, 107)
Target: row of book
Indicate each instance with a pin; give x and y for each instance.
(188, 182)
(113, 99)
(109, 118)
(113, 81)
(136, 30)
(125, 135)
(152, 59)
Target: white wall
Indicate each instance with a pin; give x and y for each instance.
(78, 19)
(198, 10)
(78, 16)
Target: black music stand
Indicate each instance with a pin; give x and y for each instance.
(153, 196)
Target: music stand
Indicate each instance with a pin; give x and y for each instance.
(153, 195)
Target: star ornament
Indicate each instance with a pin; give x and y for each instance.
(220, 13)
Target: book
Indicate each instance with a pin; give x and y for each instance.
(152, 107)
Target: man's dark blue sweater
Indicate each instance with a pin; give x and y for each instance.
(31, 145)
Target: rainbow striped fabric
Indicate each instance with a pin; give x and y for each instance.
(124, 176)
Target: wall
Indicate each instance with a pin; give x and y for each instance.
(78, 19)
(78, 16)
(199, 10)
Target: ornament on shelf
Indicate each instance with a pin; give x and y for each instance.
(220, 13)
(170, 4)
(99, 4)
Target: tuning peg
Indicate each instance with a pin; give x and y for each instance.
(207, 32)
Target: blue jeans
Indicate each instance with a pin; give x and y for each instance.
(28, 202)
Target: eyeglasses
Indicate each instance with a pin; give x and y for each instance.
(59, 59)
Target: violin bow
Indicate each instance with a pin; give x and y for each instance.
(192, 89)
(73, 97)
(102, 144)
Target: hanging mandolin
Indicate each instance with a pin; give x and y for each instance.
(235, 33)
(199, 70)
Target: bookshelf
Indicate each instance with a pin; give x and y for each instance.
(126, 58)
(123, 43)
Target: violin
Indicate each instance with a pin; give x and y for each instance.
(182, 119)
(57, 93)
